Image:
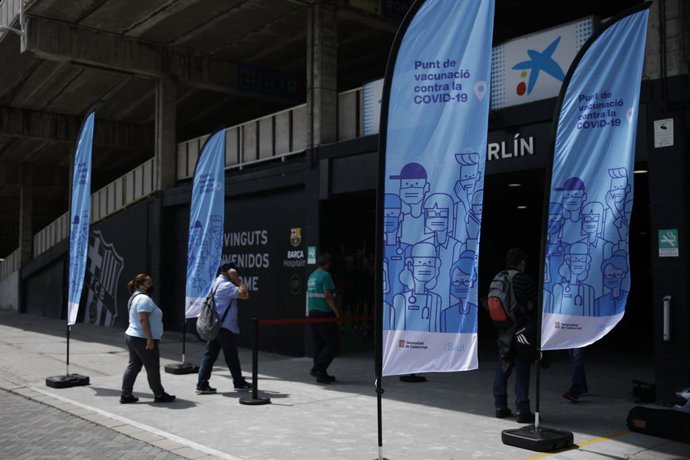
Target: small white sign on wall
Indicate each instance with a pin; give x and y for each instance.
(663, 133)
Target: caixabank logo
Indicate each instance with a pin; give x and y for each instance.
(533, 67)
(539, 62)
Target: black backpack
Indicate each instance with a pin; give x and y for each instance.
(502, 306)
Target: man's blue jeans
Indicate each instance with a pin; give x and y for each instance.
(522, 363)
(578, 384)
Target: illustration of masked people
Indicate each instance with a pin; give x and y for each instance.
(574, 297)
(438, 218)
(457, 317)
(572, 200)
(418, 308)
(619, 208)
(413, 189)
(393, 248)
(466, 183)
(388, 312)
(555, 247)
(599, 248)
(614, 270)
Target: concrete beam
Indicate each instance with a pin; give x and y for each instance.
(58, 41)
(28, 124)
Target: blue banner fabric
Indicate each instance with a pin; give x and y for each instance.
(206, 217)
(586, 271)
(435, 149)
(80, 217)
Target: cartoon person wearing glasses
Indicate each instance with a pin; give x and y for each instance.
(456, 318)
(614, 269)
(574, 297)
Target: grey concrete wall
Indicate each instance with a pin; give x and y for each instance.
(9, 292)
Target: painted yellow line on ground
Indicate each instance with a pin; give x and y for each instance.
(581, 444)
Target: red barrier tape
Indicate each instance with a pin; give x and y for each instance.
(266, 322)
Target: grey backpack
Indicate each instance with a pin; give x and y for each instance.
(208, 324)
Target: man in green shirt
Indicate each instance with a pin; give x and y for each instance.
(320, 304)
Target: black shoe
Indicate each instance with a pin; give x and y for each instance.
(128, 399)
(503, 412)
(571, 396)
(205, 390)
(322, 376)
(164, 398)
(314, 372)
(243, 386)
(525, 417)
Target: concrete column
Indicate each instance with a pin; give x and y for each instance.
(322, 68)
(166, 141)
(26, 211)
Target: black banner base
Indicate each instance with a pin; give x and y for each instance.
(67, 381)
(251, 401)
(412, 378)
(540, 439)
(181, 368)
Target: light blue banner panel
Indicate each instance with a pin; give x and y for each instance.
(80, 215)
(587, 269)
(206, 217)
(435, 149)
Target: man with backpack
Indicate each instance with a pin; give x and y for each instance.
(512, 303)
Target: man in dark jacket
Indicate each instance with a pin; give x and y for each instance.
(516, 344)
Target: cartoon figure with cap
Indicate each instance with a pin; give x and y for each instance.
(413, 188)
(468, 174)
(573, 297)
(619, 203)
(418, 308)
(457, 318)
(572, 199)
(438, 218)
(599, 249)
(614, 270)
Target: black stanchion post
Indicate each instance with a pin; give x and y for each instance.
(182, 367)
(254, 400)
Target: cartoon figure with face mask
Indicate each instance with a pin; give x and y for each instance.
(619, 203)
(438, 217)
(393, 248)
(614, 270)
(457, 318)
(574, 297)
(599, 248)
(388, 312)
(555, 247)
(413, 188)
(418, 308)
(572, 200)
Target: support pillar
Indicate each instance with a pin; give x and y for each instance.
(26, 211)
(322, 71)
(165, 134)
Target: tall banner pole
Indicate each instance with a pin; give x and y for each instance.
(80, 217)
(206, 223)
(585, 275)
(433, 138)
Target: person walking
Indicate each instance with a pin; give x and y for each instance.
(227, 289)
(142, 338)
(321, 304)
(578, 383)
(517, 343)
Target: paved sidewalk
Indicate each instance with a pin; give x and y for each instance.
(448, 417)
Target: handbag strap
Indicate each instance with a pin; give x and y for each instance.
(227, 309)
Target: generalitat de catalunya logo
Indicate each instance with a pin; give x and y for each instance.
(538, 62)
